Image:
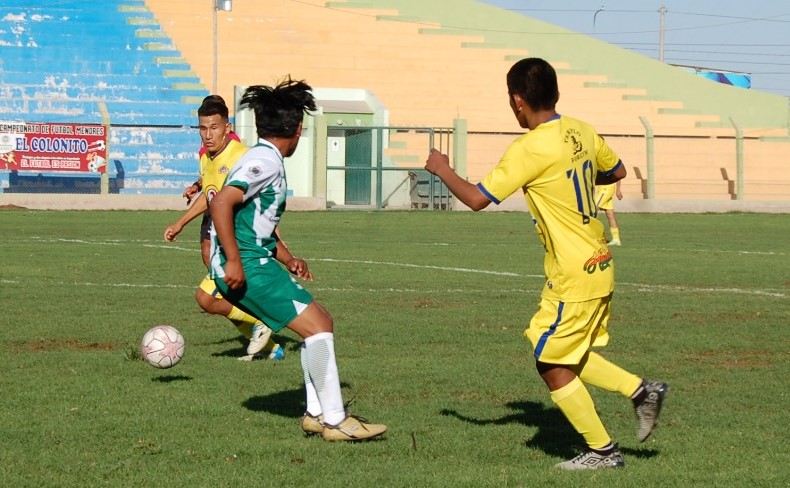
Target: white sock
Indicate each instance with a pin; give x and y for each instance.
(313, 405)
(319, 354)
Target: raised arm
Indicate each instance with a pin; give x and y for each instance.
(469, 194)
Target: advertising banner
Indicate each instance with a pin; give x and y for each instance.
(51, 147)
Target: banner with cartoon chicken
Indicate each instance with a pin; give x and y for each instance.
(49, 147)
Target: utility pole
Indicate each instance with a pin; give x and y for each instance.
(662, 13)
(226, 6)
(214, 58)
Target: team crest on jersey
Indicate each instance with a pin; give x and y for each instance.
(254, 171)
(223, 170)
(574, 137)
(211, 192)
(599, 260)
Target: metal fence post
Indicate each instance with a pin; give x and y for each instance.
(651, 179)
(379, 164)
(459, 146)
(738, 160)
(320, 159)
(104, 184)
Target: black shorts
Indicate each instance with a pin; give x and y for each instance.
(205, 226)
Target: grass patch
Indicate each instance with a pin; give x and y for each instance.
(429, 310)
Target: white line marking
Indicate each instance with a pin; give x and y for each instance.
(424, 291)
(720, 251)
(422, 266)
(695, 289)
(103, 285)
(172, 247)
(640, 286)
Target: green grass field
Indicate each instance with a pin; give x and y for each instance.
(429, 312)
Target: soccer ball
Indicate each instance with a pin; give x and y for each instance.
(162, 346)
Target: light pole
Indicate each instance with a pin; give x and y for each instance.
(662, 13)
(596, 15)
(225, 6)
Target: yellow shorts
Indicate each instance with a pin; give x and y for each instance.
(604, 196)
(563, 333)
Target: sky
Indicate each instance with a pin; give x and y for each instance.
(751, 36)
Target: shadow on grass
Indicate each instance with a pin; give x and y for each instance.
(555, 436)
(289, 344)
(171, 378)
(288, 403)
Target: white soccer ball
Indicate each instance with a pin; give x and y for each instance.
(162, 346)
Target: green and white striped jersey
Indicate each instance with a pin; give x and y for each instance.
(260, 173)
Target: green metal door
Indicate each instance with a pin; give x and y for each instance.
(359, 150)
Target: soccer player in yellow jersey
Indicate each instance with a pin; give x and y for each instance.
(221, 153)
(604, 200)
(557, 164)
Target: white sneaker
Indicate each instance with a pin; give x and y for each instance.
(613, 242)
(590, 459)
(260, 337)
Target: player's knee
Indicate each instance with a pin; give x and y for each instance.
(204, 300)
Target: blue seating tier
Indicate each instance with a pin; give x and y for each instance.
(60, 61)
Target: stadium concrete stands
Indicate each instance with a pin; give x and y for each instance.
(428, 62)
(66, 61)
(432, 62)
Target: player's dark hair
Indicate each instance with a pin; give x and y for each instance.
(213, 105)
(214, 98)
(535, 81)
(280, 109)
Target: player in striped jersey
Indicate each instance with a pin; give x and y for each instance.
(219, 153)
(251, 266)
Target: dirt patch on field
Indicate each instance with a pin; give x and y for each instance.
(68, 344)
(12, 207)
(739, 359)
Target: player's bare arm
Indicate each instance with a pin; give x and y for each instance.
(197, 208)
(619, 174)
(222, 206)
(471, 196)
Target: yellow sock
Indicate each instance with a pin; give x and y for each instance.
(615, 233)
(243, 321)
(576, 404)
(599, 372)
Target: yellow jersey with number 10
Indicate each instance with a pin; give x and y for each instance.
(555, 165)
(214, 170)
